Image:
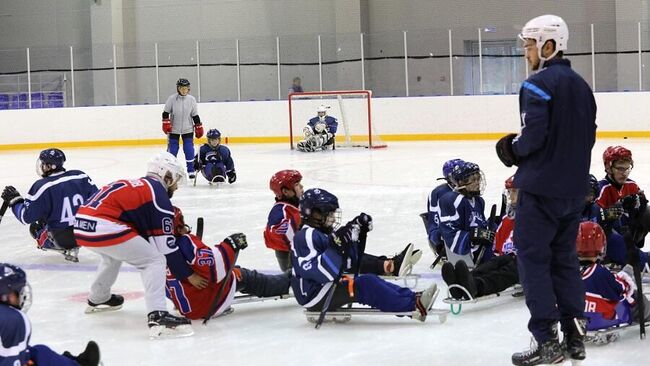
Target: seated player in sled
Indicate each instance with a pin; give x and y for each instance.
(320, 132)
(610, 219)
(321, 255)
(51, 203)
(467, 235)
(212, 291)
(497, 273)
(284, 221)
(16, 329)
(610, 299)
(433, 208)
(214, 160)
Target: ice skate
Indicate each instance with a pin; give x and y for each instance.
(112, 304)
(548, 353)
(404, 261)
(424, 302)
(164, 325)
(573, 341)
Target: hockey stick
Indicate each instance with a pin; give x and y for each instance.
(481, 253)
(3, 209)
(215, 303)
(633, 260)
(363, 235)
(199, 227)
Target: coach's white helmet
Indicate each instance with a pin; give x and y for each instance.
(544, 28)
(166, 168)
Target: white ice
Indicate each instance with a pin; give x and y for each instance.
(390, 184)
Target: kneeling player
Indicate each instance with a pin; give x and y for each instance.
(214, 160)
(16, 330)
(610, 299)
(51, 203)
(320, 132)
(320, 256)
(211, 298)
(497, 273)
(284, 220)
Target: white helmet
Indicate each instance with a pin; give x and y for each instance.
(164, 164)
(544, 28)
(321, 108)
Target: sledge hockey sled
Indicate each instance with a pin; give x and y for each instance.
(514, 291)
(246, 299)
(410, 280)
(345, 314)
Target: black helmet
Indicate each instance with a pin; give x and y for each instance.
(183, 82)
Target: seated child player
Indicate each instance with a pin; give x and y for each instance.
(465, 231)
(320, 132)
(205, 299)
(497, 273)
(16, 329)
(284, 220)
(320, 256)
(214, 160)
(433, 207)
(610, 299)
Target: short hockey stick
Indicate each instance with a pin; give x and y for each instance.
(199, 227)
(3, 209)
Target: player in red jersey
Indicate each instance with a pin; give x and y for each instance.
(214, 264)
(284, 221)
(618, 164)
(132, 221)
(500, 271)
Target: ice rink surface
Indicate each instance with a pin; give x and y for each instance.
(390, 184)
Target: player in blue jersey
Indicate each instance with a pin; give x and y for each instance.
(433, 207)
(320, 132)
(52, 202)
(16, 329)
(320, 256)
(465, 231)
(214, 160)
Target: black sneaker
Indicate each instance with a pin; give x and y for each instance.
(465, 279)
(163, 324)
(89, 357)
(112, 304)
(548, 353)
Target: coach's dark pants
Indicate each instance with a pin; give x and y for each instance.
(545, 235)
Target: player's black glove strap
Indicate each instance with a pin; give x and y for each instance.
(505, 152)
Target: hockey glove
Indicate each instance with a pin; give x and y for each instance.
(481, 236)
(198, 130)
(611, 214)
(197, 164)
(505, 152)
(232, 176)
(348, 235)
(11, 195)
(237, 241)
(364, 221)
(166, 126)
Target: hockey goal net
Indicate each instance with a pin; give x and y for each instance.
(352, 108)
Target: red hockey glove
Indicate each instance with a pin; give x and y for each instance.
(166, 126)
(198, 130)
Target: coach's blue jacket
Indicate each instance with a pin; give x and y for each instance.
(558, 130)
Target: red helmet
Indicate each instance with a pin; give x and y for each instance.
(510, 184)
(591, 240)
(179, 221)
(284, 179)
(615, 153)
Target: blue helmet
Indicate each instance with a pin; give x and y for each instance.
(183, 82)
(316, 205)
(14, 280)
(460, 175)
(448, 167)
(51, 158)
(213, 134)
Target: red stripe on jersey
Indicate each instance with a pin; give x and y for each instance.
(104, 240)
